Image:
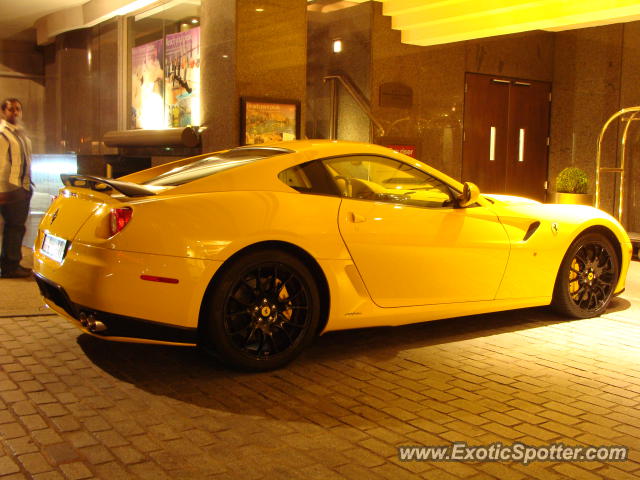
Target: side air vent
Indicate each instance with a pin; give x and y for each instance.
(532, 229)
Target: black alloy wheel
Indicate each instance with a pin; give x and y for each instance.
(264, 310)
(587, 277)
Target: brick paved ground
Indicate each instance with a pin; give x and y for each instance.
(75, 407)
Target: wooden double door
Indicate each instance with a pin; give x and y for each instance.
(506, 135)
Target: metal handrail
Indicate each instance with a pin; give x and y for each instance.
(621, 168)
(357, 97)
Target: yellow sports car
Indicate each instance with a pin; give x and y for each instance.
(252, 252)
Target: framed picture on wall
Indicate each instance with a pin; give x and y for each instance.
(265, 120)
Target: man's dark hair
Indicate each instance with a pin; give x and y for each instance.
(6, 102)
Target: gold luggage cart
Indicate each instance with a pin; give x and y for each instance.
(632, 114)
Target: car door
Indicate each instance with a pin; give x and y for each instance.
(409, 241)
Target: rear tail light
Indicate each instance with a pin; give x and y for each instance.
(119, 219)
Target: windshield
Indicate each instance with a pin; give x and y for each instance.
(214, 164)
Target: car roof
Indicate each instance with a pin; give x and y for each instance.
(263, 174)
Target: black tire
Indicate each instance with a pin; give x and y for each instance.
(587, 277)
(263, 311)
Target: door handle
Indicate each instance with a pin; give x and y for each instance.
(355, 218)
(492, 144)
(521, 145)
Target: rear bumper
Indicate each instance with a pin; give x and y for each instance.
(113, 286)
(112, 326)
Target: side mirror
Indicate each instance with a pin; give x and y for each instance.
(469, 195)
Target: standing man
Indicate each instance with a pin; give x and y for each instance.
(15, 188)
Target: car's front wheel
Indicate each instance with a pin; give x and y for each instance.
(587, 277)
(264, 309)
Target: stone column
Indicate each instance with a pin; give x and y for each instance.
(218, 79)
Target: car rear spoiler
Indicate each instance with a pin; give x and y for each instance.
(100, 184)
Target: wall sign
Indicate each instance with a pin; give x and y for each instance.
(265, 120)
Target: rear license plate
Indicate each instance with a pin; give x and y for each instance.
(54, 247)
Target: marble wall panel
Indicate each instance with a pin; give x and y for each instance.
(526, 55)
(351, 25)
(20, 57)
(80, 70)
(246, 52)
(271, 55)
(272, 50)
(103, 78)
(21, 76)
(436, 77)
(219, 107)
(75, 89)
(31, 93)
(586, 91)
(51, 99)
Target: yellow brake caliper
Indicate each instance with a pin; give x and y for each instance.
(574, 285)
(284, 294)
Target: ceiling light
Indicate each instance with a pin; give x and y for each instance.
(131, 7)
(153, 10)
(438, 22)
(337, 45)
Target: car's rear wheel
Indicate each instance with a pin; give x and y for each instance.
(263, 311)
(587, 277)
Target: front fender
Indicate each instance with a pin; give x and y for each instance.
(534, 261)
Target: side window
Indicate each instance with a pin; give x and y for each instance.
(296, 178)
(387, 180)
(311, 177)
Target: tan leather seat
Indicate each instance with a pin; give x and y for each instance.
(342, 183)
(365, 189)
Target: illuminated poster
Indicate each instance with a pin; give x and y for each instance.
(409, 150)
(147, 106)
(265, 120)
(182, 82)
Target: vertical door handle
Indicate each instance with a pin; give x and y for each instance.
(521, 145)
(355, 218)
(492, 144)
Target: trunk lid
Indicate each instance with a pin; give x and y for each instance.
(84, 196)
(70, 210)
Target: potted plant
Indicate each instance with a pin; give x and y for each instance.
(571, 187)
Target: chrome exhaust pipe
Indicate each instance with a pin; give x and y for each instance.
(97, 326)
(90, 323)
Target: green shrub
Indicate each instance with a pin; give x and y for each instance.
(572, 180)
